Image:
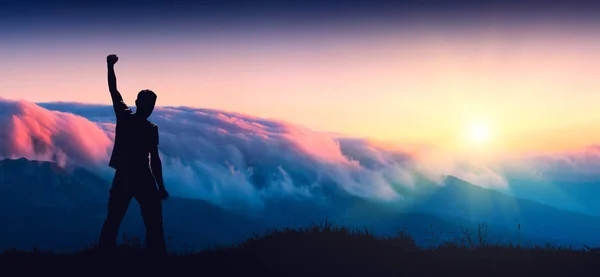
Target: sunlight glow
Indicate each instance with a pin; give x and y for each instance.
(479, 133)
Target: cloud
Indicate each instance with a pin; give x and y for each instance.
(230, 158)
(29, 130)
(238, 160)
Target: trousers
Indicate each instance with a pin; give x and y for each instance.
(141, 186)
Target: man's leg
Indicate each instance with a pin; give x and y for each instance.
(151, 207)
(118, 202)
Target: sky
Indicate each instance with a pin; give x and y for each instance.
(273, 100)
(478, 77)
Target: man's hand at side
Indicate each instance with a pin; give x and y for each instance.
(163, 194)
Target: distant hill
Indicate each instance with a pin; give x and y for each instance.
(458, 198)
(37, 184)
(46, 205)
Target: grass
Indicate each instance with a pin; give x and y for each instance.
(323, 250)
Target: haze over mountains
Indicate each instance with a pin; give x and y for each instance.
(231, 174)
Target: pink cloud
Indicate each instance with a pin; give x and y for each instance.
(33, 132)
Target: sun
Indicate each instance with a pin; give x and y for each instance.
(479, 133)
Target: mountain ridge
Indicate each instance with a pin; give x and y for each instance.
(194, 221)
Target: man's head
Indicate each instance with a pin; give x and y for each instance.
(145, 103)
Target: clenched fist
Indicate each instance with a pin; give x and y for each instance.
(112, 59)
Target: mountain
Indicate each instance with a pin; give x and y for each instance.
(45, 205)
(458, 198)
(438, 212)
(34, 185)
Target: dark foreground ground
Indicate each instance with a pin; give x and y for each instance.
(323, 250)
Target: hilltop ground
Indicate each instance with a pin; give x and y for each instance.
(320, 250)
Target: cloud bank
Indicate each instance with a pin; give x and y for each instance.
(233, 159)
(28, 130)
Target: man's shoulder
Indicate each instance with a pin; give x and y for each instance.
(154, 131)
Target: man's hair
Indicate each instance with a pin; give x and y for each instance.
(147, 94)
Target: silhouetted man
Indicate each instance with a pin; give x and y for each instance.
(136, 175)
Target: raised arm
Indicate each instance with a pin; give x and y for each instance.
(119, 105)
